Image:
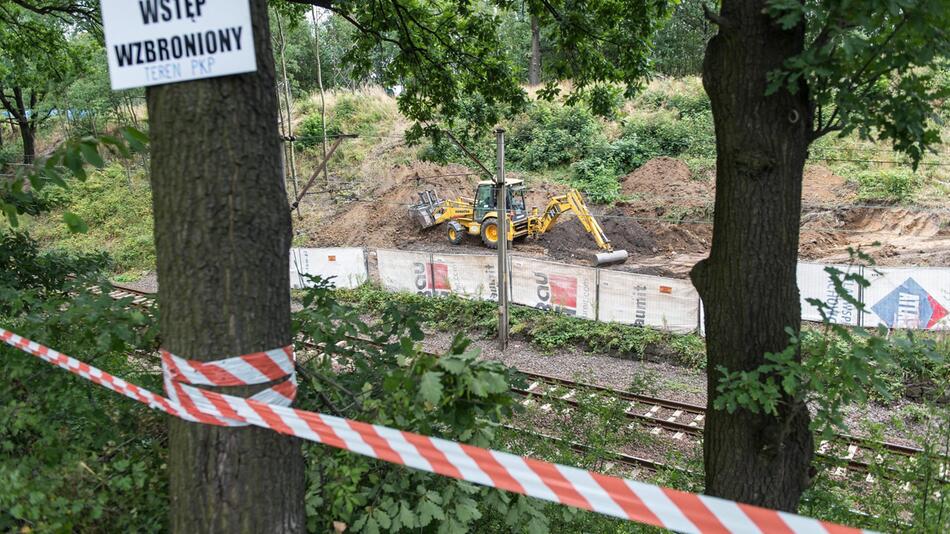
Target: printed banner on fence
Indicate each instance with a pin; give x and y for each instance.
(642, 300)
(468, 276)
(567, 289)
(816, 283)
(346, 265)
(917, 298)
(401, 270)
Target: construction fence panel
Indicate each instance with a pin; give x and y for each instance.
(568, 289)
(643, 300)
(347, 266)
(468, 276)
(814, 282)
(401, 270)
(917, 298)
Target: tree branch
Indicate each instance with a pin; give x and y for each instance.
(717, 19)
(325, 4)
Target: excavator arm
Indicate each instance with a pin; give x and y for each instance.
(574, 202)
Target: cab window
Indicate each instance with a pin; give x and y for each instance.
(484, 198)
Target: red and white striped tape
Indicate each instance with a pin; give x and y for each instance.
(276, 365)
(626, 499)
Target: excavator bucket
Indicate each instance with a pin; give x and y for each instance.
(424, 212)
(617, 256)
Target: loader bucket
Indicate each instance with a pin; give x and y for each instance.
(424, 212)
(617, 256)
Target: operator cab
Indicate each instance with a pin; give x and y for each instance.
(486, 200)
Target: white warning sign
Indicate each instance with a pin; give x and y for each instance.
(154, 42)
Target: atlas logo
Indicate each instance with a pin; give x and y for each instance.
(909, 306)
(432, 279)
(557, 293)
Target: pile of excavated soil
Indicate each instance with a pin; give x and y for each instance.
(663, 187)
(381, 217)
(569, 240)
(667, 181)
(821, 186)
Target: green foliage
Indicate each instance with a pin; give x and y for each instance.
(668, 133)
(116, 207)
(547, 330)
(684, 95)
(907, 491)
(22, 265)
(871, 67)
(310, 131)
(887, 185)
(842, 366)
(69, 160)
(550, 135)
(680, 45)
(74, 456)
(597, 178)
(376, 372)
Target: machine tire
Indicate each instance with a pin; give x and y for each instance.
(489, 229)
(455, 232)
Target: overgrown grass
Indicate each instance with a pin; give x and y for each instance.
(367, 113)
(887, 185)
(118, 210)
(546, 330)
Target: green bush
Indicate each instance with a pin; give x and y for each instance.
(551, 135)
(389, 381)
(887, 185)
(75, 457)
(684, 95)
(310, 131)
(597, 179)
(665, 133)
(548, 331)
(119, 219)
(364, 114)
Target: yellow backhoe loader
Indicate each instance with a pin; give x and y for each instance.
(479, 217)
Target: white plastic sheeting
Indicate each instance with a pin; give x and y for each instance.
(814, 282)
(401, 270)
(897, 297)
(469, 276)
(643, 300)
(346, 265)
(917, 298)
(567, 289)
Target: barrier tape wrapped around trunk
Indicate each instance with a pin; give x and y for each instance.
(627, 499)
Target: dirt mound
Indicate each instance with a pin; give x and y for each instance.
(382, 220)
(668, 181)
(569, 240)
(821, 186)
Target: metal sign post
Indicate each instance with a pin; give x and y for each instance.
(502, 205)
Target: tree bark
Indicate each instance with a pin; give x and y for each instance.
(534, 68)
(748, 283)
(323, 96)
(222, 236)
(25, 123)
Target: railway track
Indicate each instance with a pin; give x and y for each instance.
(681, 420)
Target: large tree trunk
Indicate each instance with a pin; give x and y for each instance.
(748, 283)
(534, 68)
(222, 236)
(25, 119)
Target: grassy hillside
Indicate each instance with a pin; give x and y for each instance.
(117, 206)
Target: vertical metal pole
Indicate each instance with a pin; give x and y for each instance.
(502, 205)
